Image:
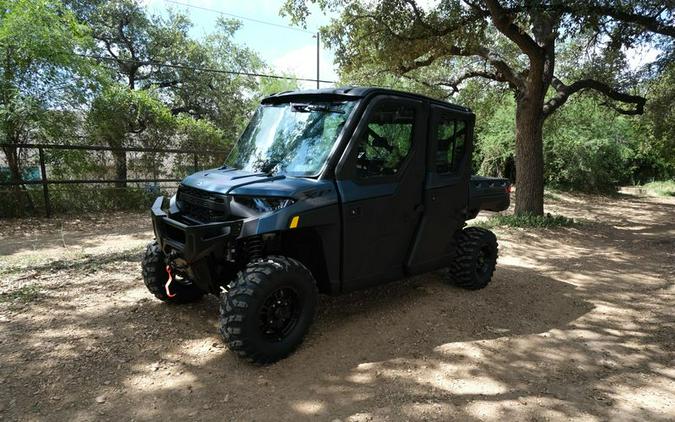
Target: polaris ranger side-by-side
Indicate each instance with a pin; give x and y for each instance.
(326, 191)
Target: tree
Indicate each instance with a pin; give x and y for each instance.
(656, 153)
(156, 53)
(509, 42)
(224, 99)
(118, 112)
(269, 86)
(37, 70)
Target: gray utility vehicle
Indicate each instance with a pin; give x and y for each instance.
(326, 191)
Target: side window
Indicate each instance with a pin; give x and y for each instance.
(451, 138)
(386, 142)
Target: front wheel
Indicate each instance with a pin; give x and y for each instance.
(155, 277)
(267, 310)
(475, 260)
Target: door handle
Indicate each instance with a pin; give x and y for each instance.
(355, 211)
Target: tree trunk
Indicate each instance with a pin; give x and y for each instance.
(21, 197)
(529, 157)
(120, 157)
(12, 155)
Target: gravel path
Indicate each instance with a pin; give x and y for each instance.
(578, 324)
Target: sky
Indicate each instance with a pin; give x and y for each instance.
(292, 51)
(284, 50)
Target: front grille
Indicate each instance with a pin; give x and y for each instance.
(203, 206)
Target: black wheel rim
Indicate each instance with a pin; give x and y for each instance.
(280, 314)
(483, 261)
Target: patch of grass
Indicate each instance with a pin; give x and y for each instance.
(25, 294)
(551, 196)
(663, 188)
(77, 261)
(527, 221)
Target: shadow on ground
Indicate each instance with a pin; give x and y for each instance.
(577, 324)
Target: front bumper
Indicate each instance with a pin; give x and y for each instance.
(192, 242)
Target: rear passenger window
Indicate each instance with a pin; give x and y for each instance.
(451, 137)
(386, 141)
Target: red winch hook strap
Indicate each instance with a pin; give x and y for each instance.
(168, 282)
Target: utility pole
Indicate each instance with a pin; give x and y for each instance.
(318, 50)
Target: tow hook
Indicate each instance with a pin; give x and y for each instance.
(168, 282)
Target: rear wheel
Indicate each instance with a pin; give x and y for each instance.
(268, 309)
(155, 276)
(476, 259)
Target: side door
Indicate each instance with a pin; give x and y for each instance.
(380, 178)
(446, 189)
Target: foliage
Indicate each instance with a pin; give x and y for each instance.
(585, 148)
(51, 92)
(655, 156)
(74, 199)
(544, 52)
(128, 96)
(132, 43)
(588, 149)
(664, 188)
(226, 100)
(92, 198)
(38, 68)
(119, 111)
(494, 135)
(202, 135)
(526, 221)
(269, 86)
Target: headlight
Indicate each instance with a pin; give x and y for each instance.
(264, 204)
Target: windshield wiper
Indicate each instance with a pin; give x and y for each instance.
(306, 108)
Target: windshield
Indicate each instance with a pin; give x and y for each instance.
(292, 139)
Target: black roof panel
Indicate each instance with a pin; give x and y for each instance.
(355, 92)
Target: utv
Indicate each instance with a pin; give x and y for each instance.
(326, 191)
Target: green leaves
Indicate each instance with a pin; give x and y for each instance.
(40, 31)
(38, 39)
(119, 111)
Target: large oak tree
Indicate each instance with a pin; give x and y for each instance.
(515, 43)
(37, 70)
(156, 53)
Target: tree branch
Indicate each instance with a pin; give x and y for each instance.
(127, 41)
(469, 75)
(418, 15)
(651, 23)
(453, 84)
(563, 92)
(429, 59)
(163, 84)
(416, 64)
(503, 21)
(107, 46)
(503, 69)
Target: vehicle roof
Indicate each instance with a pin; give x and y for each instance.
(353, 92)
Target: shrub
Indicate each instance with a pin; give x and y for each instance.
(72, 199)
(587, 148)
(664, 188)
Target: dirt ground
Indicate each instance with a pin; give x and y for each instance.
(578, 324)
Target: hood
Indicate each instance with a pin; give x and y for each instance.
(230, 181)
